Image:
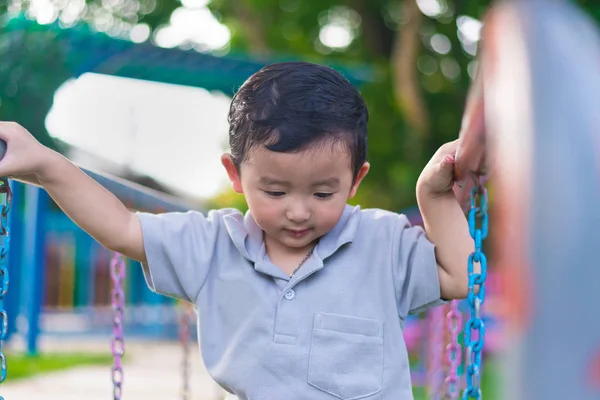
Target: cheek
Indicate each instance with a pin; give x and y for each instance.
(330, 214)
(263, 209)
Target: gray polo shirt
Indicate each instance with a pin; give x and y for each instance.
(334, 331)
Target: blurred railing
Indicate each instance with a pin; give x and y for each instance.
(59, 276)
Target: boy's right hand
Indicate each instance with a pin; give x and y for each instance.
(25, 156)
(96, 210)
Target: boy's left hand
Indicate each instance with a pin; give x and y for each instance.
(437, 178)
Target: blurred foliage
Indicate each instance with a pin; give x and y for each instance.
(398, 149)
(415, 102)
(31, 70)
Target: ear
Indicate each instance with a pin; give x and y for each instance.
(232, 172)
(362, 172)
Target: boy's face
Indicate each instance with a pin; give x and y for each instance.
(296, 197)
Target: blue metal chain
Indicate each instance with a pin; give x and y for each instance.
(474, 328)
(4, 247)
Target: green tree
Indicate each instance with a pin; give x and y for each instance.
(420, 61)
(28, 79)
(34, 65)
(421, 68)
(415, 99)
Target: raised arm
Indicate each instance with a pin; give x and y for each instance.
(445, 223)
(86, 202)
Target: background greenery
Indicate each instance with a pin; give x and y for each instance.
(416, 101)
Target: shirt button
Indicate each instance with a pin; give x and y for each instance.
(290, 294)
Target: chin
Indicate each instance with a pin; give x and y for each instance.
(298, 243)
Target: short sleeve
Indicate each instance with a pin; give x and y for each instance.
(415, 269)
(180, 248)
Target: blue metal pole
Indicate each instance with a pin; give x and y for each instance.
(36, 208)
(83, 243)
(88, 264)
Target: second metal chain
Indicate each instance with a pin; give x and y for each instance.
(453, 351)
(184, 337)
(117, 274)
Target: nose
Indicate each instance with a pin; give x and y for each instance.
(298, 212)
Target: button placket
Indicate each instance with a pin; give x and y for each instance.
(286, 316)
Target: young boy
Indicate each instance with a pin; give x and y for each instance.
(304, 297)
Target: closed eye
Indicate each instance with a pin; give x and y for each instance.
(323, 195)
(274, 194)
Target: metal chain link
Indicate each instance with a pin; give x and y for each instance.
(453, 351)
(474, 328)
(4, 248)
(184, 337)
(117, 274)
(435, 324)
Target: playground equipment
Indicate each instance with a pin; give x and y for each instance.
(117, 273)
(38, 217)
(532, 119)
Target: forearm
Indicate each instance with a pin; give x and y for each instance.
(447, 228)
(93, 208)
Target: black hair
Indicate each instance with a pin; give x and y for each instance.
(290, 106)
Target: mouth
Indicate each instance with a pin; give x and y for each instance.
(297, 233)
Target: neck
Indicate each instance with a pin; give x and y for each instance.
(286, 258)
(273, 246)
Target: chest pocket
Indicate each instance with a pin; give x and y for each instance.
(346, 356)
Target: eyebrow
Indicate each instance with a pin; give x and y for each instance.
(327, 182)
(272, 181)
